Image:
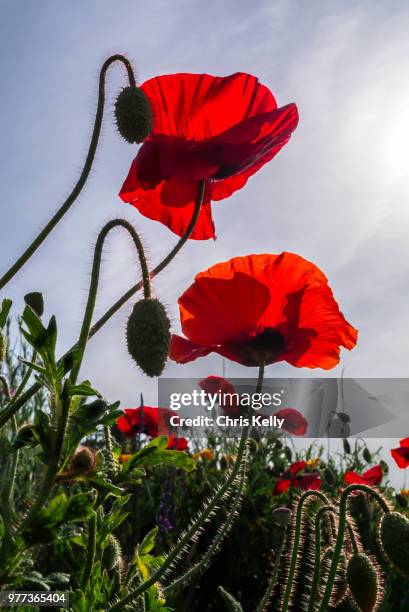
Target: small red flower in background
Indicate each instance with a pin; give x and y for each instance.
(294, 422)
(294, 477)
(218, 129)
(218, 384)
(373, 476)
(150, 421)
(263, 308)
(401, 454)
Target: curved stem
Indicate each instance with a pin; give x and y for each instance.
(317, 555)
(84, 174)
(296, 544)
(16, 405)
(341, 534)
(96, 268)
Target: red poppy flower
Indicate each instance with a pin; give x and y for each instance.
(218, 129)
(294, 478)
(150, 421)
(228, 394)
(263, 308)
(401, 454)
(294, 422)
(373, 476)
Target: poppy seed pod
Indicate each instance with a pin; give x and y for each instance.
(83, 460)
(148, 336)
(133, 114)
(36, 301)
(363, 582)
(112, 552)
(3, 346)
(394, 537)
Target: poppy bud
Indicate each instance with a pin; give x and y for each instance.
(36, 301)
(3, 346)
(96, 408)
(281, 516)
(83, 460)
(367, 455)
(402, 500)
(112, 553)
(133, 114)
(24, 437)
(148, 336)
(329, 476)
(394, 537)
(288, 453)
(363, 581)
(347, 446)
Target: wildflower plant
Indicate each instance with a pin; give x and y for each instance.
(201, 139)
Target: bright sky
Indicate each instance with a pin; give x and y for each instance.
(337, 194)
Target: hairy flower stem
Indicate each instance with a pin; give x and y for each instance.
(16, 404)
(202, 518)
(96, 269)
(6, 498)
(317, 555)
(92, 539)
(273, 578)
(224, 529)
(341, 535)
(290, 580)
(84, 174)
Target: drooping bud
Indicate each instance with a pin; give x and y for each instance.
(340, 588)
(347, 446)
(363, 582)
(3, 346)
(281, 516)
(148, 336)
(133, 114)
(83, 460)
(96, 408)
(402, 500)
(111, 556)
(329, 476)
(36, 301)
(394, 537)
(367, 455)
(24, 437)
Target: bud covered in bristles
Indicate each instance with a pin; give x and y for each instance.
(133, 114)
(36, 301)
(340, 588)
(96, 408)
(363, 581)
(148, 336)
(394, 537)
(83, 460)
(367, 455)
(347, 446)
(281, 516)
(402, 500)
(3, 346)
(111, 556)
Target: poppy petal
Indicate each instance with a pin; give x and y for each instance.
(401, 456)
(200, 106)
(373, 475)
(294, 422)
(184, 351)
(282, 486)
(297, 467)
(309, 481)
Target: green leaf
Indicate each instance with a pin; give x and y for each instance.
(68, 361)
(51, 337)
(231, 603)
(148, 543)
(4, 311)
(84, 389)
(38, 333)
(156, 453)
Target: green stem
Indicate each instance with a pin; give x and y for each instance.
(92, 538)
(84, 174)
(296, 545)
(341, 535)
(9, 411)
(273, 578)
(201, 520)
(317, 555)
(96, 269)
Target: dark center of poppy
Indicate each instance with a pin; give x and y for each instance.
(225, 172)
(267, 344)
